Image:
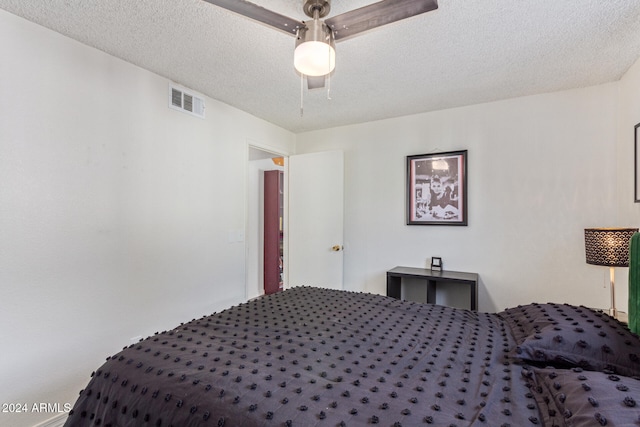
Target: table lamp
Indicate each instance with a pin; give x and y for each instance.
(608, 247)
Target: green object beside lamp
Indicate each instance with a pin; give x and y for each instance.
(634, 284)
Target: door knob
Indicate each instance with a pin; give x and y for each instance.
(336, 248)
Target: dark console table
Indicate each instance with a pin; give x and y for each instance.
(433, 278)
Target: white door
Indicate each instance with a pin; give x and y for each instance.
(316, 205)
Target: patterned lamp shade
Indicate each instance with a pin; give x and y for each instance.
(608, 246)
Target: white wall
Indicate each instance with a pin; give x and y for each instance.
(116, 212)
(541, 169)
(629, 116)
(628, 210)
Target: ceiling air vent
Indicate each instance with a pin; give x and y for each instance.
(186, 101)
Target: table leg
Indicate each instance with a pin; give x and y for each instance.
(431, 291)
(394, 286)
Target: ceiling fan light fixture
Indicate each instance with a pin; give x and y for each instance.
(315, 54)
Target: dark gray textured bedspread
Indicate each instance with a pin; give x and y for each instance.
(310, 356)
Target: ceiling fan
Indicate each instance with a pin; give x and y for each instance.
(314, 55)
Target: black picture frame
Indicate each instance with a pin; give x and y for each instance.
(436, 263)
(636, 162)
(436, 189)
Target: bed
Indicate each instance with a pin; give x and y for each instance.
(319, 357)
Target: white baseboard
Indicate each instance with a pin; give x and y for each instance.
(57, 421)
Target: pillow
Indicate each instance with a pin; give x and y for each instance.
(566, 336)
(580, 398)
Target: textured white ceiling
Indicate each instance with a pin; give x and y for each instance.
(466, 52)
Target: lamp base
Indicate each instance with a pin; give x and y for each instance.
(612, 311)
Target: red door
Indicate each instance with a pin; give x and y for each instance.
(273, 237)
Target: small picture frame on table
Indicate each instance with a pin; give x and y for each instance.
(436, 263)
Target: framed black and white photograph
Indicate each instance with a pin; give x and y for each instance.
(636, 164)
(437, 188)
(436, 263)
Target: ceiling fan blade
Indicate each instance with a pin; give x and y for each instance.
(375, 15)
(260, 14)
(315, 82)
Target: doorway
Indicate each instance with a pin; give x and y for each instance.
(265, 256)
(312, 223)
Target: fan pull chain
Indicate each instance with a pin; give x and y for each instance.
(301, 95)
(329, 77)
